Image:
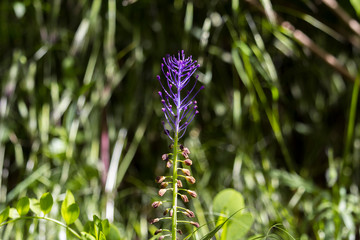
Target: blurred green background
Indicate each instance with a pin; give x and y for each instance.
(278, 117)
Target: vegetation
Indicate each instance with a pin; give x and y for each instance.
(80, 116)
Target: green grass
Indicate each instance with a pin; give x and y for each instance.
(278, 117)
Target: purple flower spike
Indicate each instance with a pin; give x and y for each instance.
(178, 71)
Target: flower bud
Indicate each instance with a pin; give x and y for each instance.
(195, 224)
(166, 212)
(162, 192)
(165, 157)
(155, 220)
(179, 183)
(188, 162)
(184, 198)
(169, 164)
(185, 152)
(171, 212)
(180, 232)
(192, 193)
(161, 237)
(158, 231)
(164, 184)
(156, 204)
(186, 171)
(190, 179)
(159, 179)
(191, 214)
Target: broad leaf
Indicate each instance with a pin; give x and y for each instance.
(23, 206)
(69, 209)
(71, 214)
(35, 206)
(229, 202)
(13, 213)
(4, 214)
(46, 203)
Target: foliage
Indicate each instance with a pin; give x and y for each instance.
(278, 123)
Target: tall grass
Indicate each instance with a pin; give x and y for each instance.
(279, 115)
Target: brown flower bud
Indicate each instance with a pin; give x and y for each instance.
(169, 164)
(164, 184)
(181, 147)
(192, 193)
(188, 162)
(195, 224)
(184, 198)
(155, 220)
(190, 179)
(191, 214)
(158, 231)
(171, 213)
(156, 204)
(186, 171)
(179, 183)
(159, 179)
(162, 192)
(166, 212)
(180, 232)
(165, 157)
(185, 152)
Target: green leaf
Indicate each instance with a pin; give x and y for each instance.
(72, 213)
(46, 203)
(217, 228)
(102, 236)
(23, 206)
(35, 206)
(4, 214)
(87, 236)
(66, 212)
(13, 213)
(356, 6)
(114, 233)
(105, 226)
(229, 202)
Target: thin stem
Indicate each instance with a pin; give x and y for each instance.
(175, 189)
(44, 218)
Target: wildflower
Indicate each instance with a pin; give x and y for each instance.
(165, 157)
(169, 164)
(179, 110)
(155, 220)
(156, 204)
(179, 183)
(195, 224)
(190, 179)
(191, 214)
(192, 193)
(184, 198)
(162, 192)
(164, 184)
(186, 171)
(159, 179)
(185, 151)
(188, 162)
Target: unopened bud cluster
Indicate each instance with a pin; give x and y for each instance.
(166, 184)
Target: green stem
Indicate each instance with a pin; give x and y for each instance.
(175, 189)
(44, 218)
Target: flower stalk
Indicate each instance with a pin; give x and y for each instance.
(179, 108)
